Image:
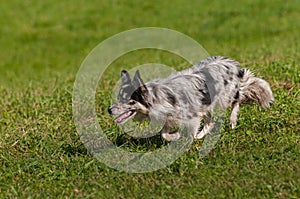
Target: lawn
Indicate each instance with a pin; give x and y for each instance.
(43, 44)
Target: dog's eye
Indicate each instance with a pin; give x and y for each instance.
(131, 102)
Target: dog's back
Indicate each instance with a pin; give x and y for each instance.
(222, 77)
(227, 83)
(196, 90)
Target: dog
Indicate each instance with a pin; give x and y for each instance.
(185, 97)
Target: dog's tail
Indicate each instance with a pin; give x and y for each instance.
(254, 89)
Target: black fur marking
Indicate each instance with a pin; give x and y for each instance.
(206, 97)
(206, 101)
(236, 98)
(234, 102)
(241, 73)
(171, 98)
(237, 95)
(202, 92)
(140, 96)
(226, 66)
(225, 82)
(209, 86)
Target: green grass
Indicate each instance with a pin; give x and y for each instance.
(43, 44)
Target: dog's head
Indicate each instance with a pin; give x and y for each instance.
(132, 98)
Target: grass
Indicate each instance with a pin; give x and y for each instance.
(42, 45)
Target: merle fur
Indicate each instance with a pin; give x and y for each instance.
(186, 97)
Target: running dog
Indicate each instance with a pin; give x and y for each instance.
(186, 97)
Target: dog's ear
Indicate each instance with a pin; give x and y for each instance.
(138, 82)
(125, 77)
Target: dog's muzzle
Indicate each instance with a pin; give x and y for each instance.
(121, 117)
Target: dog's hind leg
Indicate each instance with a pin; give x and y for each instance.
(165, 133)
(208, 126)
(234, 115)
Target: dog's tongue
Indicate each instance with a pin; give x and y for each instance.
(123, 117)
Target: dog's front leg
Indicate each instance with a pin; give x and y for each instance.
(165, 133)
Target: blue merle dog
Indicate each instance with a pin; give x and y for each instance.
(186, 97)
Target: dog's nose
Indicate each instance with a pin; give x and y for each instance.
(109, 110)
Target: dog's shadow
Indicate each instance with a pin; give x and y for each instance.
(149, 143)
(125, 141)
(74, 149)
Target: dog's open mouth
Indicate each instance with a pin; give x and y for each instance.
(125, 116)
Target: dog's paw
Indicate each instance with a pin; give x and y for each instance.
(233, 126)
(206, 130)
(200, 135)
(170, 137)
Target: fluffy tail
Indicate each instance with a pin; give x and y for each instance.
(255, 89)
